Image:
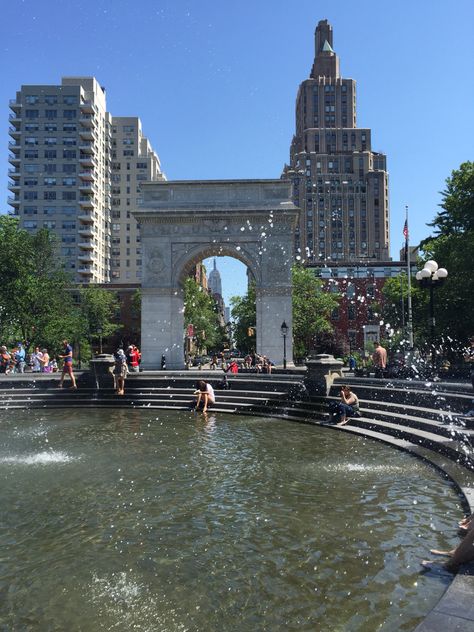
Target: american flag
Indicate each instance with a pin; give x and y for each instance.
(405, 229)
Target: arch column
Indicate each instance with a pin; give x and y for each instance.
(162, 327)
(274, 305)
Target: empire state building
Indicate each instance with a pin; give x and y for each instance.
(339, 182)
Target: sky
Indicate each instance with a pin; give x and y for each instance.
(215, 83)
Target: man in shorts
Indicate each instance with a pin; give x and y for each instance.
(67, 365)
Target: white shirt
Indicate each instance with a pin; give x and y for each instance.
(210, 393)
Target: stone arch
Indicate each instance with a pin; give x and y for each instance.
(184, 222)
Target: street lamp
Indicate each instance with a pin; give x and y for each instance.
(284, 331)
(99, 331)
(431, 276)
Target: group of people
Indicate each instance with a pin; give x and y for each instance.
(18, 360)
(259, 363)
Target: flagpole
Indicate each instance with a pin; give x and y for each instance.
(410, 313)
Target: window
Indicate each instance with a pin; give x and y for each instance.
(69, 114)
(68, 182)
(31, 153)
(30, 210)
(68, 210)
(68, 239)
(69, 168)
(49, 210)
(51, 114)
(70, 100)
(115, 226)
(69, 141)
(51, 99)
(31, 114)
(69, 127)
(69, 195)
(50, 154)
(128, 152)
(68, 251)
(370, 291)
(30, 195)
(30, 181)
(50, 127)
(69, 225)
(48, 182)
(141, 165)
(128, 141)
(31, 127)
(32, 168)
(31, 140)
(51, 140)
(31, 99)
(49, 224)
(69, 154)
(128, 128)
(29, 224)
(351, 312)
(49, 195)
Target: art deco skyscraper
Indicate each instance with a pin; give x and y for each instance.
(340, 183)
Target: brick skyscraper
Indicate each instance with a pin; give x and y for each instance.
(340, 184)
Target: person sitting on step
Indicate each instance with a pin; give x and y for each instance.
(348, 406)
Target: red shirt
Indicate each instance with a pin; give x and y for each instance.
(134, 358)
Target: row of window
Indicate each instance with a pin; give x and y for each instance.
(51, 114)
(49, 195)
(49, 182)
(49, 168)
(50, 127)
(50, 99)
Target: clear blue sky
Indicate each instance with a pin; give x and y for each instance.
(215, 82)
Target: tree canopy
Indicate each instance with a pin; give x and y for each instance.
(200, 310)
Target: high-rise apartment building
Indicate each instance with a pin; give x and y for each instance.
(132, 161)
(340, 183)
(63, 161)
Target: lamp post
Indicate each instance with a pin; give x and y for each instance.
(431, 276)
(284, 331)
(99, 331)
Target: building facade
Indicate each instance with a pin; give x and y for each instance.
(339, 182)
(358, 285)
(64, 152)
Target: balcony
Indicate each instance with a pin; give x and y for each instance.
(87, 174)
(86, 245)
(14, 132)
(87, 148)
(85, 232)
(86, 271)
(13, 200)
(14, 160)
(87, 187)
(14, 146)
(14, 187)
(86, 106)
(87, 133)
(86, 258)
(86, 218)
(14, 174)
(86, 201)
(87, 160)
(87, 120)
(14, 105)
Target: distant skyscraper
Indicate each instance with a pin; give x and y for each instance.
(340, 184)
(214, 282)
(76, 171)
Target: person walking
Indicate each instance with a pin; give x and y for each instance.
(379, 358)
(20, 358)
(67, 365)
(133, 359)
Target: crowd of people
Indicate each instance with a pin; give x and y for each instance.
(19, 360)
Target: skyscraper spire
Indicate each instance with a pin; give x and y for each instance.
(326, 62)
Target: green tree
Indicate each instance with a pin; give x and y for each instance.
(312, 307)
(98, 309)
(452, 247)
(35, 304)
(200, 311)
(244, 315)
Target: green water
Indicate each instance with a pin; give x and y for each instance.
(139, 520)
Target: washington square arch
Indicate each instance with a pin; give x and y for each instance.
(184, 222)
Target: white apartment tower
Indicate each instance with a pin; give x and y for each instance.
(62, 157)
